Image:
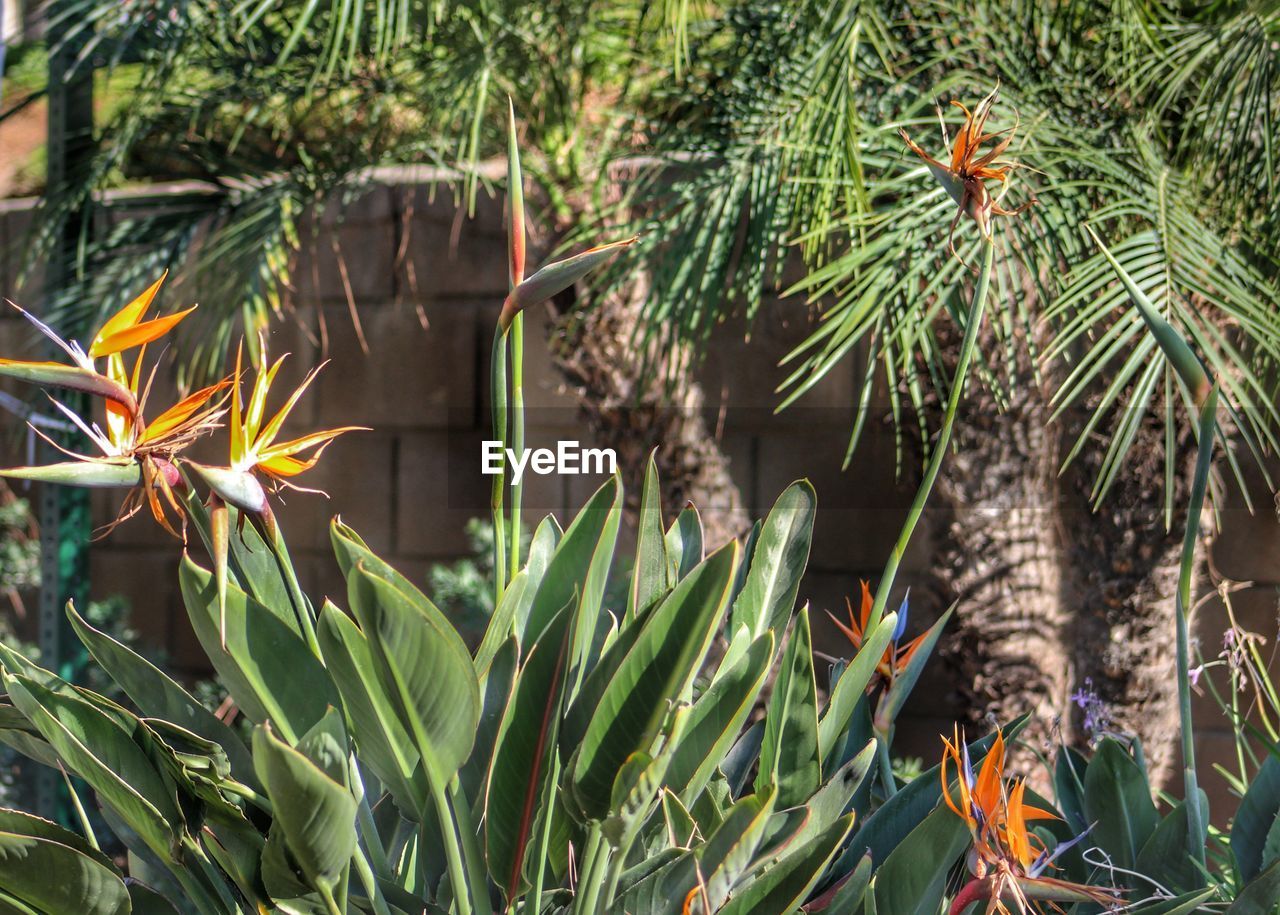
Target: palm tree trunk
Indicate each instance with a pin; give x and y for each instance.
(636, 398)
(1058, 602)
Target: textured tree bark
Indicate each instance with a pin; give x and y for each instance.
(1054, 597)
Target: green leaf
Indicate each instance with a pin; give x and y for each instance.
(778, 562)
(497, 683)
(1186, 904)
(384, 743)
(1259, 895)
(521, 767)
(423, 663)
(649, 574)
(1117, 799)
(512, 613)
(53, 877)
(266, 667)
(1259, 809)
(684, 545)
(659, 669)
(716, 719)
(579, 567)
(1166, 857)
(912, 879)
(783, 885)
(96, 748)
(158, 696)
(1176, 349)
(726, 857)
(316, 814)
(789, 758)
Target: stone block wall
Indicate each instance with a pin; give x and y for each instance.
(426, 283)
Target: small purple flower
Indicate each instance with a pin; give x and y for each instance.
(1097, 717)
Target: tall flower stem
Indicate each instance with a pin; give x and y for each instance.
(516, 337)
(1182, 612)
(498, 392)
(972, 324)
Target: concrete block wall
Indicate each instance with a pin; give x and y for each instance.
(427, 283)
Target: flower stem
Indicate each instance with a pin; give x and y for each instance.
(498, 392)
(972, 324)
(516, 335)
(1182, 614)
(973, 891)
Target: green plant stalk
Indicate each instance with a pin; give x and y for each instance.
(326, 894)
(1195, 506)
(884, 763)
(369, 829)
(498, 391)
(967, 346)
(472, 856)
(370, 882)
(452, 853)
(300, 605)
(540, 849)
(516, 335)
(587, 901)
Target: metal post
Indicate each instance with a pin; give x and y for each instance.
(65, 524)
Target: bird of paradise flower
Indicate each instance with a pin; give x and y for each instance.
(1007, 861)
(965, 177)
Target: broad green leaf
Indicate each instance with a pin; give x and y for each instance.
(1259, 809)
(424, 664)
(266, 667)
(779, 888)
(847, 896)
(717, 718)
(96, 748)
(1186, 904)
(522, 758)
(18, 823)
(1259, 895)
(1068, 787)
(670, 648)
(727, 856)
(578, 717)
(315, 814)
(1165, 856)
(649, 574)
(1117, 800)
(778, 563)
(679, 823)
(384, 743)
(912, 879)
(789, 758)
(146, 901)
(684, 545)
(496, 685)
(52, 877)
(158, 696)
(579, 567)
(512, 613)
